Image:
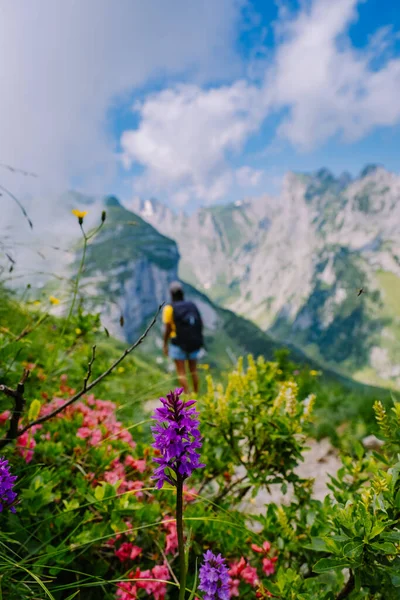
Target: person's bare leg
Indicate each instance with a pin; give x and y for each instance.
(181, 372)
(194, 374)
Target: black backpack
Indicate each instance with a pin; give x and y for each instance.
(189, 326)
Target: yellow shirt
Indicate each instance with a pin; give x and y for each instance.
(168, 319)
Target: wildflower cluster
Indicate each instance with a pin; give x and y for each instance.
(241, 570)
(177, 438)
(214, 577)
(7, 481)
(142, 580)
(268, 562)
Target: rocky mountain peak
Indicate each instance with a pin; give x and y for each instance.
(293, 263)
(370, 169)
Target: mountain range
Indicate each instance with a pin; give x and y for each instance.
(317, 266)
(127, 271)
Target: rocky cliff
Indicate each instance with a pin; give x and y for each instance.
(127, 272)
(294, 264)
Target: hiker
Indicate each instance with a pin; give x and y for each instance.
(184, 334)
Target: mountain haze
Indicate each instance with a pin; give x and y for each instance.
(127, 271)
(294, 265)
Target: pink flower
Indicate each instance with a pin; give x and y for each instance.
(132, 485)
(171, 541)
(128, 590)
(25, 445)
(135, 552)
(245, 571)
(268, 565)
(112, 477)
(249, 575)
(127, 551)
(160, 589)
(138, 464)
(83, 433)
(234, 587)
(236, 567)
(189, 494)
(90, 399)
(4, 416)
(96, 437)
(266, 547)
(124, 551)
(157, 588)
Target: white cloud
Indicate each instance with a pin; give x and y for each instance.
(248, 177)
(322, 85)
(64, 64)
(184, 136)
(328, 86)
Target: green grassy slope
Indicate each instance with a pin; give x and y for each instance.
(141, 377)
(55, 348)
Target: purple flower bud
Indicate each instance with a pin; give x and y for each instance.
(214, 577)
(7, 495)
(177, 437)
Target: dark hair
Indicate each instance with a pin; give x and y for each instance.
(177, 295)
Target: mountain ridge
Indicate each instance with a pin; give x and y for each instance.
(294, 264)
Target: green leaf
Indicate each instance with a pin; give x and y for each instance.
(34, 410)
(194, 583)
(376, 530)
(380, 458)
(73, 595)
(384, 548)
(395, 476)
(330, 564)
(395, 580)
(318, 545)
(99, 492)
(353, 549)
(186, 549)
(391, 536)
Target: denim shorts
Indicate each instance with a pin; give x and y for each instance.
(176, 353)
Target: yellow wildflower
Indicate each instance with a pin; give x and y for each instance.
(382, 418)
(79, 213)
(314, 373)
(120, 369)
(36, 303)
(78, 331)
(54, 300)
(380, 484)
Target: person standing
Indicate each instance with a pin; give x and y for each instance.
(183, 335)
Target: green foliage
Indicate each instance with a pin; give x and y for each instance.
(85, 485)
(356, 530)
(259, 424)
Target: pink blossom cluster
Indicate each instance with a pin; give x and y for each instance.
(268, 562)
(127, 590)
(26, 442)
(241, 570)
(171, 540)
(127, 551)
(99, 424)
(117, 474)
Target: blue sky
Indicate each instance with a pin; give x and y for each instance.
(197, 103)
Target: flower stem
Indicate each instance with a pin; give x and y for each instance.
(181, 542)
(77, 280)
